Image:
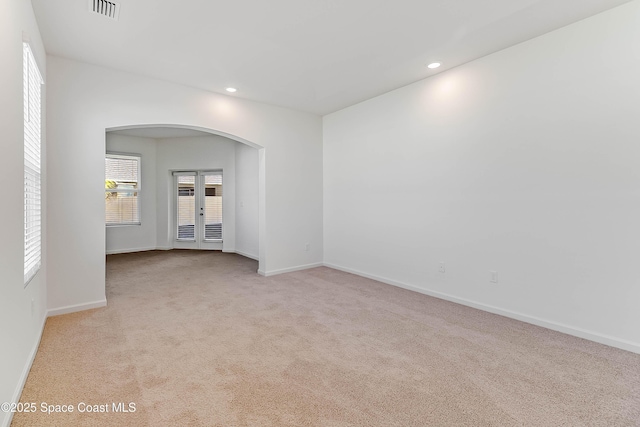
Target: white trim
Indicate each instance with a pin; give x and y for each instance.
(246, 255)
(169, 248)
(129, 250)
(25, 373)
(560, 327)
(123, 155)
(199, 128)
(78, 307)
(289, 270)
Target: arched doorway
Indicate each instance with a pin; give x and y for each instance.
(165, 150)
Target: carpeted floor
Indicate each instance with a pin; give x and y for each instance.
(199, 339)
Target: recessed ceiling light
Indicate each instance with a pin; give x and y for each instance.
(433, 65)
(231, 89)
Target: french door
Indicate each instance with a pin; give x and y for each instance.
(198, 209)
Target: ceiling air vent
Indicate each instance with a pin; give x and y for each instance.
(106, 8)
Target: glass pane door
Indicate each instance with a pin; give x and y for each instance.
(198, 210)
(212, 206)
(186, 207)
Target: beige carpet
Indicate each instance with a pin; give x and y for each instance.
(199, 339)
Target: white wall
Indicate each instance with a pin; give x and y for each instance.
(79, 112)
(247, 200)
(195, 153)
(20, 327)
(131, 238)
(524, 162)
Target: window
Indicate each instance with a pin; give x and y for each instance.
(122, 189)
(32, 82)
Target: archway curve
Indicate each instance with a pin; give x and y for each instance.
(262, 246)
(189, 127)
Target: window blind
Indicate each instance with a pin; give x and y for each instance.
(32, 82)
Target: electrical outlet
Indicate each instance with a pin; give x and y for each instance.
(307, 246)
(493, 276)
(441, 267)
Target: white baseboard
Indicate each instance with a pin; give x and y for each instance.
(6, 422)
(566, 329)
(126, 251)
(290, 269)
(168, 248)
(244, 254)
(78, 307)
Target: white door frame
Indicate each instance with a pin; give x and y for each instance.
(199, 241)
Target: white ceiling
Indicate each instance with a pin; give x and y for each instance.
(311, 55)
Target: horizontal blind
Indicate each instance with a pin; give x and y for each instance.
(122, 168)
(32, 82)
